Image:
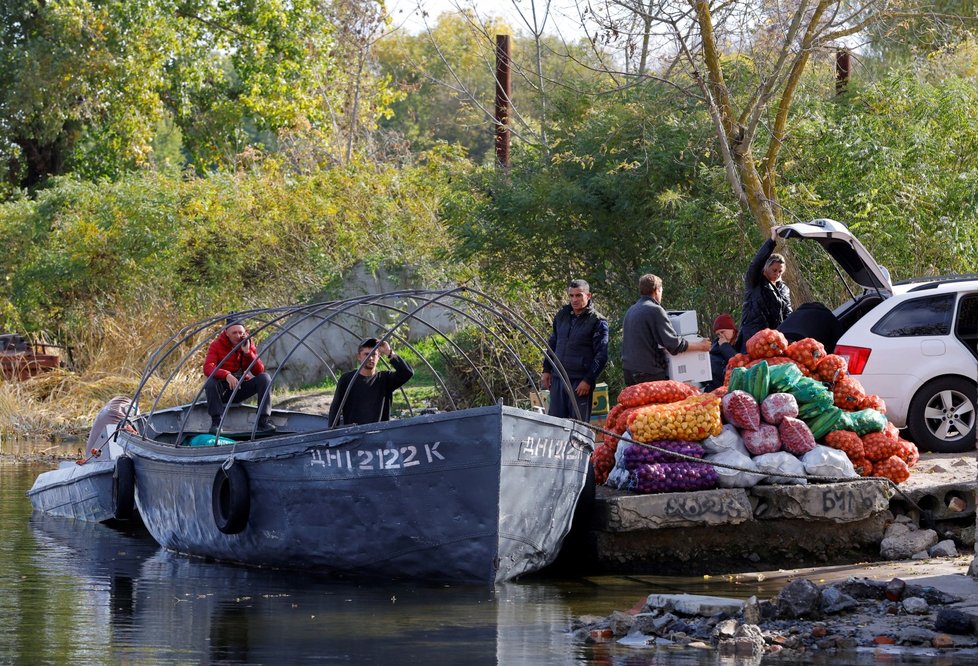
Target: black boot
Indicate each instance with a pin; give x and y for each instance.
(265, 425)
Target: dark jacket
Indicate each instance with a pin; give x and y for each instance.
(370, 398)
(720, 353)
(580, 343)
(766, 304)
(645, 330)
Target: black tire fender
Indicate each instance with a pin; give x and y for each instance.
(231, 498)
(123, 488)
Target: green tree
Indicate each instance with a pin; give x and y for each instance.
(447, 75)
(87, 83)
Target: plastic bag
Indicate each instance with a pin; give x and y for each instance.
(729, 439)
(777, 406)
(828, 462)
(784, 377)
(772, 465)
(763, 440)
(735, 478)
(866, 421)
(618, 476)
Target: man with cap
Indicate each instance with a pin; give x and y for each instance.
(722, 349)
(232, 363)
(365, 395)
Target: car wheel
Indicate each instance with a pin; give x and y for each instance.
(942, 416)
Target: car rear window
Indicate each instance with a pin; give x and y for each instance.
(930, 315)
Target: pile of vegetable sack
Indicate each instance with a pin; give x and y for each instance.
(669, 419)
(791, 399)
(786, 412)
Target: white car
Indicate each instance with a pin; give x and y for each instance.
(913, 343)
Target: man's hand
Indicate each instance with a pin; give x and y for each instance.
(774, 232)
(384, 349)
(231, 380)
(545, 381)
(701, 346)
(582, 389)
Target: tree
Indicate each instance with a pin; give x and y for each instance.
(447, 75)
(86, 83)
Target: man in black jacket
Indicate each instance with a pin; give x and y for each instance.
(580, 342)
(366, 394)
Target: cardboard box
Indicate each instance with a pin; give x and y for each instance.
(690, 367)
(684, 322)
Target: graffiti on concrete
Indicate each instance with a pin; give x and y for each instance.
(699, 506)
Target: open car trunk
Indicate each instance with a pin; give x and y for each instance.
(860, 282)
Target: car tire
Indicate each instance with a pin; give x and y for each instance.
(941, 417)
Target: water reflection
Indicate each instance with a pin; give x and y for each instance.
(73, 592)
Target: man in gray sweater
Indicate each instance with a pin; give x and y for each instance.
(647, 334)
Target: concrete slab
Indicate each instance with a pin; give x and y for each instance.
(626, 512)
(836, 502)
(694, 604)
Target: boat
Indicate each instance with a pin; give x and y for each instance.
(22, 359)
(473, 494)
(89, 489)
(81, 490)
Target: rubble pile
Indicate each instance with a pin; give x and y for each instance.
(803, 618)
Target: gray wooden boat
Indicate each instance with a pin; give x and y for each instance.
(79, 491)
(478, 494)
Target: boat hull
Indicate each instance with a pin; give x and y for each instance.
(82, 492)
(479, 495)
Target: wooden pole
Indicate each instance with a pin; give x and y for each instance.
(503, 90)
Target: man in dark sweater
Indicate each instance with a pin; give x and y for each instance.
(365, 395)
(647, 334)
(580, 341)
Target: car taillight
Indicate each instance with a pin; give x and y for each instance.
(856, 356)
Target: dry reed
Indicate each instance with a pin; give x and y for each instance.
(107, 358)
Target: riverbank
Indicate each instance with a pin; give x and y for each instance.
(929, 605)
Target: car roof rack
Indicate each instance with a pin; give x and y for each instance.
(933, 281)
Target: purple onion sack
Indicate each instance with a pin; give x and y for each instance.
(673, 477)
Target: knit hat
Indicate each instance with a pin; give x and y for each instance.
(724, 321)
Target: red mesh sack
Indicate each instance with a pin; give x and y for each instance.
(848, 442)
(656, 393)
(740, 409)
(763, 440)
(767, 343)
(806, 352)
(777, 406)
(795, 436)
(892, 468)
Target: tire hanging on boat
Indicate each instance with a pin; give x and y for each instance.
(231, 499)
(123, 488)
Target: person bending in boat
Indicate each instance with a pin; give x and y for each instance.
(365, 394)
(232, 363)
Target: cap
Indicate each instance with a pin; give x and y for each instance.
(368, 342)
(724, 321)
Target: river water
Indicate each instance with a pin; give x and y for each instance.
(78, 593)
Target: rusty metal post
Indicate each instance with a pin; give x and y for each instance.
(503, 90)
(842, 68)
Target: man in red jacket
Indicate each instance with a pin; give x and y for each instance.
(232, 362)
